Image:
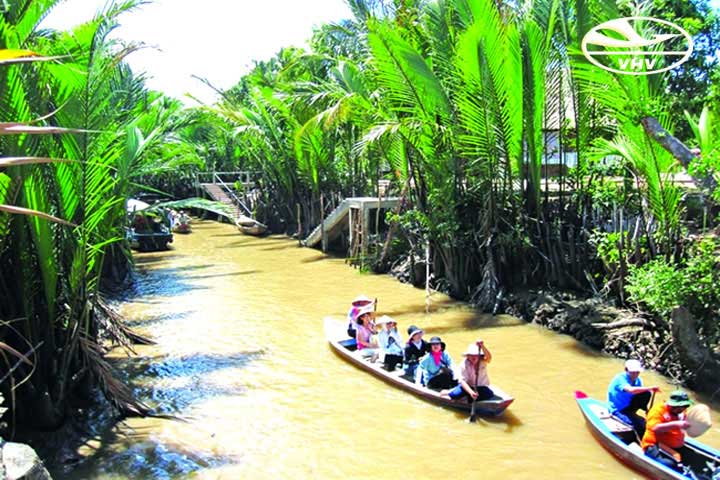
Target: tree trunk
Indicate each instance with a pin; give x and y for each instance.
(677, 149)
(694, 355)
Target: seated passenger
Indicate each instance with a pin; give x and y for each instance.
(472, 375)
(435, 368)
(390, 343)
(415, 349)
(365, 331)
(664, 438)
(359, 302)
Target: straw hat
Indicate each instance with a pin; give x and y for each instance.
(699, 419)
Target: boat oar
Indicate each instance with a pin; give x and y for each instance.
(473, 413)
(652, 400)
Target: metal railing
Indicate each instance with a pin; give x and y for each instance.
(242, 176)
(221, 179)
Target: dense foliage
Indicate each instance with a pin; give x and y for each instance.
(80, 129)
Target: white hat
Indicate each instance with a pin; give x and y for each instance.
(363, 299)
(384, 319)
(634, 366)
(363, 310)
(473, 349)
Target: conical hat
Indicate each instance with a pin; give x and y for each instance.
(699, 419)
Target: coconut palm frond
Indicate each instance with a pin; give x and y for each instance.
(218, 208)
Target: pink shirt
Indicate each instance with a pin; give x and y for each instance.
(363, 335)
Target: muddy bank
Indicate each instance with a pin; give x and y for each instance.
(671, 347)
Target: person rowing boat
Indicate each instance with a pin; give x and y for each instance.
(472, 376)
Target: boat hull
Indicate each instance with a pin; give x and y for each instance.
(337, 339)
(608, 431)
(149, 242)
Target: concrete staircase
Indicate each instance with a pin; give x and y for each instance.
(239, 209)
(333, 225)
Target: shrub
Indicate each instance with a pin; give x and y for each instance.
(657, 284)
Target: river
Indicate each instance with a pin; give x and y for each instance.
(242, 358)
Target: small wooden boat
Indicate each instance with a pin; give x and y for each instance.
(182, 228)
(250, 226)
(621, 440)
(255, 230)
(345, 347)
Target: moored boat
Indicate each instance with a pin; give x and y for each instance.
(250, 226)
(182, 228)
(621, 440)
(255, 230)
(345, 347)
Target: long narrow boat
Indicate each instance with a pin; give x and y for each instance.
(345, 347)
(620, 439)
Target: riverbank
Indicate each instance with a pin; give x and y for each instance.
(671, 347)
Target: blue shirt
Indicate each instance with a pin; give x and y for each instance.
(618, 398)
(427, 368)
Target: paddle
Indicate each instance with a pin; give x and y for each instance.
(652, 400)
(473, 413)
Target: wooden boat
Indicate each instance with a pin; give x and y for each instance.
(149, 241)
(345, 347)
(182, 228)
(250, 226)
(255, 230)
(621, 440)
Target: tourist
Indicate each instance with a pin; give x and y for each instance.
(359, 302)
(390, 343)
(366, 344)
(472, 375)
(664, 438)
(435, 368)
(626, 395)
(415, 349)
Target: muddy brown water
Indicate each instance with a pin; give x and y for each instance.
(242, 357)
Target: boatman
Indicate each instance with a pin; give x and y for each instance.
(626, 395)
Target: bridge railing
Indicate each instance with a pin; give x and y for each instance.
(242, 176)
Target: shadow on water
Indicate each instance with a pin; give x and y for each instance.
(148, 258)
(476, 323)
(280, 247)
(97, 442)
(506, 421)
(217, 275)
(140, 457)
(163, 282)
(155, 319)
(316, 258)
(577, 347)
(170, 385)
